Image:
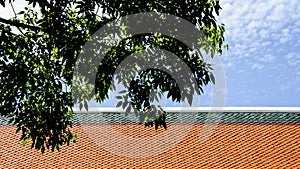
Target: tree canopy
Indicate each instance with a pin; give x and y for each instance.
(40, 46)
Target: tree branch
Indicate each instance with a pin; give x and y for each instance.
(18, 24)
(12, 7)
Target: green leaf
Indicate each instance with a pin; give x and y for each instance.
(18, 129)
(128, 109)
(86, 105)
(164, 125)
(119, 104)
(190, 99)
(124, 104)
(24, 141)
(11, 120)
(37, 68)
(21, 12)
(119, 97)
(136, 112)
(156, 124)
(123, 91)
(212, 78)
(226, 46)
(80, 106)
(43, 149)
(2, 2)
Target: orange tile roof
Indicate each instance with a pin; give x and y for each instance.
(232, 145)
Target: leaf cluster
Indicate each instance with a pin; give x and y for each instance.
(37, 63)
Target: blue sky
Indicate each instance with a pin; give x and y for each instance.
(262, 65)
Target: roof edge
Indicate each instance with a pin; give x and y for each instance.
(199, 109)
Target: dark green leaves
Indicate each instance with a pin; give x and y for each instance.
(158, 120)
(37, 64)
(86, 105)
(212, 78)
(2, 2)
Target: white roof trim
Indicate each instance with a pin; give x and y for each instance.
(199, 109)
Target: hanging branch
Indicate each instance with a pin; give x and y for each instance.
(17, 24)
(13, 9)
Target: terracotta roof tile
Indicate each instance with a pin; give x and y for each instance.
(232, 145)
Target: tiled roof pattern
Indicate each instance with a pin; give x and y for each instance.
(236, 143)
(192, 117)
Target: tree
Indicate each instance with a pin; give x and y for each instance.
(37, 61)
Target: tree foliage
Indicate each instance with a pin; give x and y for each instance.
(37, 61)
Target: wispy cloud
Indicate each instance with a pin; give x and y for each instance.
(263, 38)
(257, 66)
(293, 59)
(254, 26)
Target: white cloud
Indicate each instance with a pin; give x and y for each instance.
(263, 33)
(253, 25)
(257, 66)
(266, 43)
(284, 87)
(267, 58)
(293, 59)
(229, 64)
(240, 71)
(263, 38)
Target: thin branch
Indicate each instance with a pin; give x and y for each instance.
(15, 16)
(18, 24)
